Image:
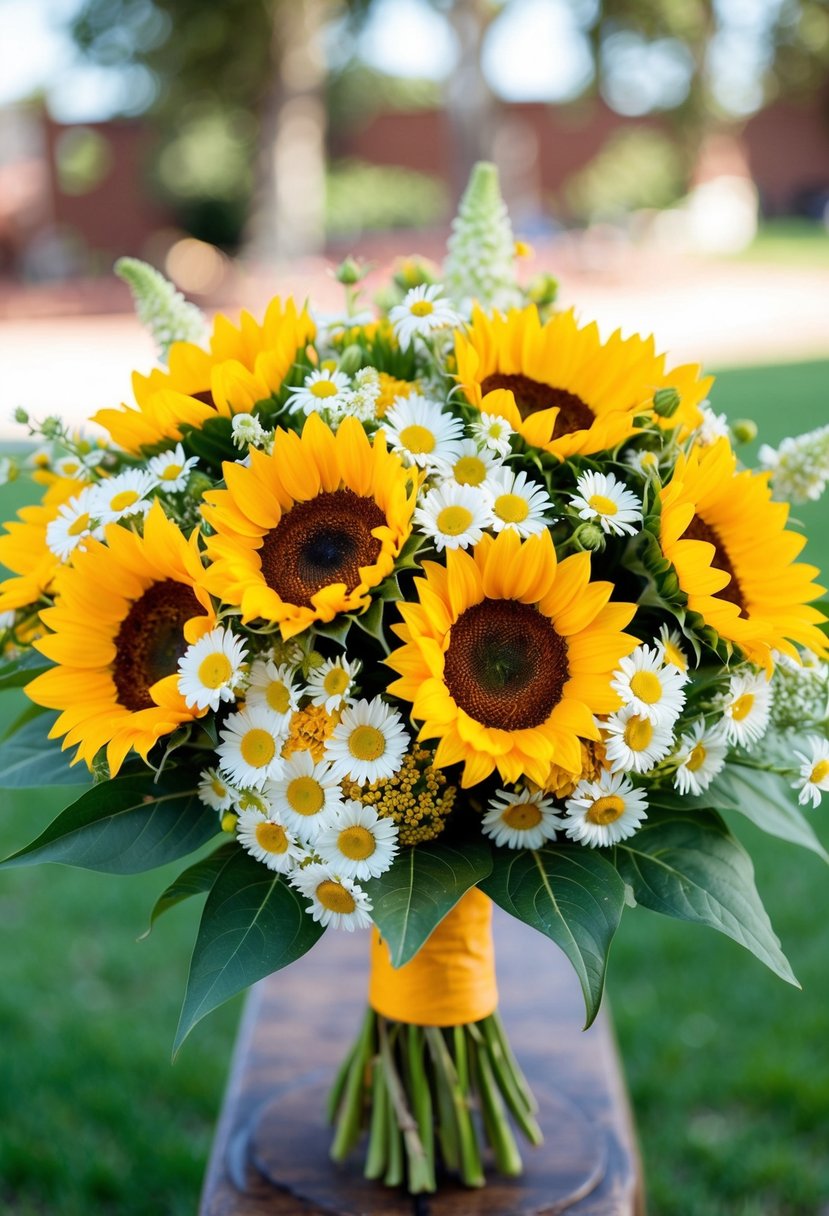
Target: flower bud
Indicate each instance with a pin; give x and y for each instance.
(351, 360)
(542, 289)
(744, 430)
(229, 821)
(414, 272)
(21, 416)
(197, 484)
(349, 272)
(666, 402)
(589, 537)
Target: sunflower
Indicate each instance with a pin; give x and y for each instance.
(24, 551)
(243, 367)
(508, 655)
(305, 532)
(734, 559)
(562, 388)
(125, 614)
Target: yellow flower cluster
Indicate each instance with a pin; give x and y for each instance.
(416, 798)
(309, 730)
(561, 783)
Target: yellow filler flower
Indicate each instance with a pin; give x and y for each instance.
(734, 559)
(508, 655)
(244, 366)
(305, 532)
(562, 388)
(125, 614)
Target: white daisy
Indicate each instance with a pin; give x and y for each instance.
(517, 502)
(651, 688)
(124, 495)
(635, 744)
(305, 797)
(603, 812)
(211, 669)
(73, 523)
(493, 432)
(421, 432)
(359, 843)
(814, 771)
(454, 516)
(470, 465)
(608, 501)
(332, 683)
(336, 901)
(251, 749)
(669, 645)
(700, 756)
(712, 427)
(215, 792)
(423, 310)
(172, 469)
(521, 819)
(273, 686)
(268, 841)
(323, 389)
(71, 466)
(746, 708)
(644, 461)
(368, 743)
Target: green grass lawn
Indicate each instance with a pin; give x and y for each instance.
(726, 1064)
(789, 242)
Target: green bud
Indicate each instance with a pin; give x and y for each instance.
(350, 272)
(229, 821)
(21, 416)
(542, 289)
(666, 402)
(51, 427)
(414, 272)
(744, 430)
(351, 360)
(589, 537)
(314, 659)
(197, 484)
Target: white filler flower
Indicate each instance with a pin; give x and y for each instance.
(336, 901)
(358, 843)
(211, 668)
(603, 812)
(521, 819)
(423, 310)
(602, 497)
(368, 743)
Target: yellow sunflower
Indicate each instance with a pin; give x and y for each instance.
(244, 366)
(562, 388)
(734, 559)
(508, 655)
(24, 551)
(304, 533)
(125, 613)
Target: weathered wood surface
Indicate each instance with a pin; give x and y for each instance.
(296, 1028)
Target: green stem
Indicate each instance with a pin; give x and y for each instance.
(350, 1116)
(378, 1136)
(499, 1132)
(394, 1166)
(422, 1100)
(336, 1091)
(507, 1082)
(446, 1084)
(419, 1174)
(472, 1168)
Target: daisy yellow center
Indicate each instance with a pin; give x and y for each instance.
(453, 521)
(696, 759)
(79, 525)
(512, 508)
(638, 734)
(522, 816)
(336, 681)
(417, 439)
(742, 707)
(422, 308)
(218, 788)
(366, 743)
(470, 471)
(324, 388)
(278, 697)
(606, 810)
(356, 843)
(305, 796)
(820, 772)
(647, 687)
(602, 505)
(333, 896)
(126, 498)
(673, 655)
(257, 747)
(495, 430)
(215, 670)
(271, 837)
(71, 467)
(171, 472)
(649, 460)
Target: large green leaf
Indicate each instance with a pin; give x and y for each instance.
(573, 895)
(125, 826)
(30, 760)
(17, 672)
(253, 923)
(689, 866)
(195, 880)
(768, 801)
(422, 885)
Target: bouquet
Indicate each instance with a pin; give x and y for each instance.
(394, 615)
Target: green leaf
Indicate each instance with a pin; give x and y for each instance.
(421, 886)
(253, 923)
(125, 826)
(572, 895)
(768, 801)
(689, 866)
(30, 760)
(195, 880)
(21, 670)
(25, 716)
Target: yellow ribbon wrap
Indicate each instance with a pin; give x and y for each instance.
(451, 979)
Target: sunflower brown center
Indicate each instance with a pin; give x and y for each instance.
(206, 397)
(505, 665)
(151, 641)
(325, 540)
(531, 396)
(698, 529)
